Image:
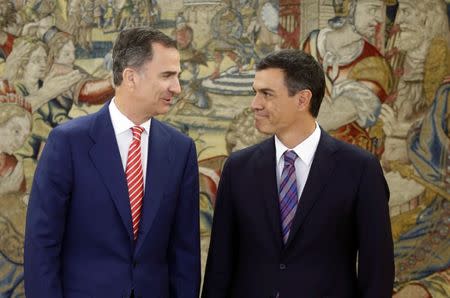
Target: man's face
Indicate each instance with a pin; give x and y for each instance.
(37, 65)
(6, 13)
(157, 81)
(67, 54)
(14, 133)
(368, 16)
(412, 24)
(275, 111)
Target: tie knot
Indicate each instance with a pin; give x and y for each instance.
(137, 131)
(289, 157)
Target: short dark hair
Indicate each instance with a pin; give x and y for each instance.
(301, 71)
(134, 47)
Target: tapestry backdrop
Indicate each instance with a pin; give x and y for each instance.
(387, 61)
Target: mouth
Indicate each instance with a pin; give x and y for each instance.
(167, 100)
(260, 116)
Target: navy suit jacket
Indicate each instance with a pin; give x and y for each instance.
(79, 241)
(343, 211)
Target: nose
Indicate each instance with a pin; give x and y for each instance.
(400, 18)
(256, 103)
(175, 87)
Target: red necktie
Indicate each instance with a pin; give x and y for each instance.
(135, 178)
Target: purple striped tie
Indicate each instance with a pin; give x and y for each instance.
(288, 193)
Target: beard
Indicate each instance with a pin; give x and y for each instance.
(411, 37)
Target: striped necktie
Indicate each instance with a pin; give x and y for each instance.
(135, 178)
(288, 193)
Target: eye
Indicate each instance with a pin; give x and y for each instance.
(266, 94)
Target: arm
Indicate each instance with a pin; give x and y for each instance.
(184, 249)
(336, 112)
(350, 101)
(376, 256)
(46, 217)
(53, 86)
(219, 267)
(97, 91)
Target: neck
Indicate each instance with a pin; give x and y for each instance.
(296, 135)
(130, 109)
(343, 37)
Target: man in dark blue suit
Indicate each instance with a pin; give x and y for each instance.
(300, 214)
(114, 209)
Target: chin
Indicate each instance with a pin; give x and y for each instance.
(408, 42)
(263, 129)
(163, 110)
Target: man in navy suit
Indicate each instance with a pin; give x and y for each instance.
(300, 214)
(114, 209)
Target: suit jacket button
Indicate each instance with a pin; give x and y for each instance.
(282, 266)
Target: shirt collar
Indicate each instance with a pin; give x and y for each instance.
(121, 123)
(305, 150)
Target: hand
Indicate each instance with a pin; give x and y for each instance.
(56, 84)
(26, 199)
(19, 51)
(53, 86)
(30, 29)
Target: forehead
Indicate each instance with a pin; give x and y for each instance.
(19, 119)
(269, 77)
(68, 43)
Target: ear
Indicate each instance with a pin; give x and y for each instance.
(304, 98)
(129, 77)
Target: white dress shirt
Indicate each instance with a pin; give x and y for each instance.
(122, 129)
(305, 152)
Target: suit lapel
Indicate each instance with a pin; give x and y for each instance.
(106, 157)
(157, 176)
(319, 175)
(266, 170)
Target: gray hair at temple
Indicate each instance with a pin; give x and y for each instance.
(133, 47)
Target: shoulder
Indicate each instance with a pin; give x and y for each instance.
(176, 136)
(72, 128)
(370, 50)
(251, 156)
(347, 154)
(312, 36)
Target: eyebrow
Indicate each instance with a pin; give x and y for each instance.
(171, 73)
(263, 90)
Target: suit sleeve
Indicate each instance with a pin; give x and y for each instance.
(184, 250)
(220, 263)
(376, 257)
(46, 217)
